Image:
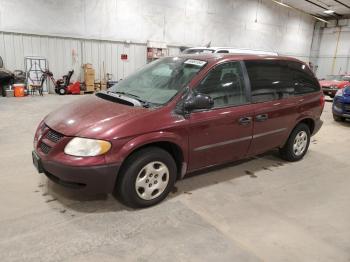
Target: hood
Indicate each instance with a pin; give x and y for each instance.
(91, 117)
(328, 83)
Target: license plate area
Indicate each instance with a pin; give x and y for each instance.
(37, 162)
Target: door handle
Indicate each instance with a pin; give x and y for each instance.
(262, 117)
(245, 120)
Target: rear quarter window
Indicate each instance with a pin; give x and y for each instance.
(303, 79)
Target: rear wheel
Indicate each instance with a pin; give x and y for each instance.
(297, 144)
(338, 118)
(147, 177)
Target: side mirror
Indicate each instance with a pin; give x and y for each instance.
(198, 101)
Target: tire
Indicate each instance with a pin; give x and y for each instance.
(62, 91)
(137, 186)
(295, 150)
(338, 118)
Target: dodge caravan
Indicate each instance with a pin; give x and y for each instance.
(177, 115)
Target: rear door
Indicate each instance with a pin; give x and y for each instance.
(223, 133)
(275, 106)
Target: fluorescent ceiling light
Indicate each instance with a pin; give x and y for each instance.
(320, 19)
(328, 12)
(302, 11)
(280, 3)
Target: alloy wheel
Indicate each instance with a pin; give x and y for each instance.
(152, 180)
(300, 143)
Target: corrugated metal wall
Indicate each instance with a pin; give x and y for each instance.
(64, 54)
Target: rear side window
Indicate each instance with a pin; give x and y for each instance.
(303, 79)
(270, 80)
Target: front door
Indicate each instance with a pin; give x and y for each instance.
(224, 133)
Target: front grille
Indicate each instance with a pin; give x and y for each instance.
(50, 138)
(338, 104)
(347, 107)
(53, 136)
(45, 148)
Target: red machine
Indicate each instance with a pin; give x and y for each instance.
(63, 86)
(74, 88)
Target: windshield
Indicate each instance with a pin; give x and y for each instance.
(198, 51)
(346, 78)
(159, 81)
(334, 78)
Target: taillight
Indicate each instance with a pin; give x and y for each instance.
(322, 101)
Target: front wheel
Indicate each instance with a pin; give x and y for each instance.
(62, 91)
(297, 144)
(147, 177)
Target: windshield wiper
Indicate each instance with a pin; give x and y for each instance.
(143, 102)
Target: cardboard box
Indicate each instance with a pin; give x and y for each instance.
(87, 66)
(89, 76)
(103, 85)
(90, 88)
(89, 82)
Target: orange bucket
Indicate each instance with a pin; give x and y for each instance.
(19, 90)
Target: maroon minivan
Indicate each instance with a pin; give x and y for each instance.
(178, 115)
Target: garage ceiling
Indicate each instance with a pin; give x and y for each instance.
(341, 8)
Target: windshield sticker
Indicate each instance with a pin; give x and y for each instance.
(195, 62)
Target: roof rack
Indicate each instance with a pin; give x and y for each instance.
(230, 50)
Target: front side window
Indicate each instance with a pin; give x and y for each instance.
(225, 85)
(159, 81)
(270, 80)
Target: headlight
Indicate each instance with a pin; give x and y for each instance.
(339, 92)
(334, 87)
(86, 147)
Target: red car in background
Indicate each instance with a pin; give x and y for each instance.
(332, 83)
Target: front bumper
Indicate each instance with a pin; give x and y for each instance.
(341, 114)
(341, 108)
(89, 179)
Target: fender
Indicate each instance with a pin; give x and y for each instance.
(119, 155)
(297, 121)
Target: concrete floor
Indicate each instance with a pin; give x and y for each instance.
(262, 209)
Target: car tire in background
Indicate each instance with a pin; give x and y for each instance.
(297, 144)
(146, 178)
(338, 118)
